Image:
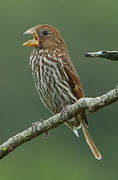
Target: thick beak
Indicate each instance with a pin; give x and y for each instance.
(34, 42)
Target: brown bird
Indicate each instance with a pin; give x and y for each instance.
(55, 77)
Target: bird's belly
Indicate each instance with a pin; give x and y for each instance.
(54, 93)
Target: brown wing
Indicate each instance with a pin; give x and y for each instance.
(74, 82)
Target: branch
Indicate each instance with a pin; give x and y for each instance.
(111, 55)
(40, 127)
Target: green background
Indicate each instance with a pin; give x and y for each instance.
(86, 26)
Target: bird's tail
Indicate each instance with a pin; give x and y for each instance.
(89, 140)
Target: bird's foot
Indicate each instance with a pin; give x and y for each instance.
(66, 112)
(35, 124)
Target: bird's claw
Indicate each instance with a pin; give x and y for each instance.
(66, 112)
(37, 123)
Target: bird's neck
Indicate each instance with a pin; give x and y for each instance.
(55, 53)
(41, 54)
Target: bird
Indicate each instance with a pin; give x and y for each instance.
(56, 78)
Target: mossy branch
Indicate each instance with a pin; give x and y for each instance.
(40, 127)
(111, 55)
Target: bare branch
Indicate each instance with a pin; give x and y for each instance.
(111, 55)
(90, 104)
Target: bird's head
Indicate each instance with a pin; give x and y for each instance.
(45, 37)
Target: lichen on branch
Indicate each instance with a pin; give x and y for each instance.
(111, 55)
(90, 104)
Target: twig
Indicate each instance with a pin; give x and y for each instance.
(111, 55)
(90, 104)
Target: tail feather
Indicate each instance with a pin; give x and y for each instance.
(90, 142)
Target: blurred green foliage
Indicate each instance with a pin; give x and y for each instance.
(85, 25)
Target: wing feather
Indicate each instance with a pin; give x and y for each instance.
(74, 82)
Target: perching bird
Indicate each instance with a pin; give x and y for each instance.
(55, 77)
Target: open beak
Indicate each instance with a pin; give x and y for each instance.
(34, 42)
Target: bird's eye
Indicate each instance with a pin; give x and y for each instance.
(45, 32)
